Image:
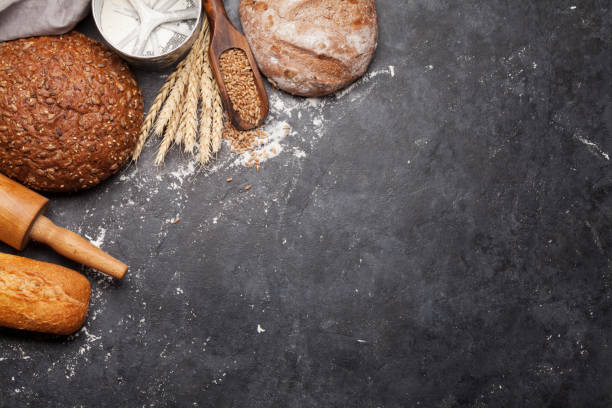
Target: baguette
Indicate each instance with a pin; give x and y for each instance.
(41, 297)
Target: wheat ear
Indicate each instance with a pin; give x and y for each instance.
(175, 99)
(189, 119)
(205, 121)
(169, 117)
(152, 114)
(171, 114)
(207, 83)
(217, 121)
(157, 105)
(217, 117)
(171, 130)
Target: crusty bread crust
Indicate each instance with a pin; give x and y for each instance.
(311, 47)
(42, 297)
(70, 112)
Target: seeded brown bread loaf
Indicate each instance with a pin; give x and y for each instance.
(43, 297)
(70, 112)
(311, 47)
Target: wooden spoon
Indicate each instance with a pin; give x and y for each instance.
(224, 36)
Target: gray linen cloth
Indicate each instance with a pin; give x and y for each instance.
(26, 18)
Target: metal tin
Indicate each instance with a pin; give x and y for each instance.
(156, 62)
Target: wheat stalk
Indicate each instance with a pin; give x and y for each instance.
(169, 117)
(217, 121)
(171, 114)
(175, 99)
(154, 110)
(205, 122)
(207, 89)
(171, 130)
(216, 113)
(174, 112)
(189, 121)
(152, 114)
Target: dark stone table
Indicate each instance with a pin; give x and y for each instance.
(438, 236)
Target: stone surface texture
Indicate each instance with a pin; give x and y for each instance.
(444, 241)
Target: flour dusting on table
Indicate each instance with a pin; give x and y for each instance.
(295, 125)
(285, 109)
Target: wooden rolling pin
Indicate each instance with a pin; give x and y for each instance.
(42, 297)
(21, 219)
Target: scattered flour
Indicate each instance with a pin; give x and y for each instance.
(284, 108)
(184, 171)
(299, 153)
(277, 131)
(593, 147)
(390, 70)
(295, 125)
(99, 240)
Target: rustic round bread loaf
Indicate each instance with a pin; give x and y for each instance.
(70, 112)
(311, 48)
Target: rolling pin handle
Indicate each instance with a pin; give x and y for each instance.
(75, 247)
